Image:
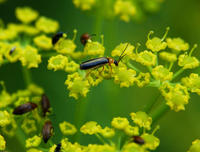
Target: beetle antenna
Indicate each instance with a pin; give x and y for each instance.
(121, 56)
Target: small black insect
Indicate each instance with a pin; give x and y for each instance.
(12, 50)
(139, 140)
(47, 131)
(98, 62)
(24, 108)
(58, 148)
(85, 37)
(56, 37)
(45, 104)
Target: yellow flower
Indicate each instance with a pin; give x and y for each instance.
(5, 118)
(125, 9)
(28, 126)
(170, 57)
(43, 42)
(146, 58)
(94, 49)
(67, 128)
(13, 52)
(177, 44)
(35, 90)
(71, 66)
(107, 132)
(192, 83)
(195, 146)
(30, 57)
(177, 97)
(188, 62)
(100, 148)
(2, 143)
(142, 79)
(10, 129)
(161, 73)
(7, 34)
(141, 119)
(5, 99)
(30, 30)
(133, 147)
(47, 25)
(91, 128)
(57, 62)
(34, 150)
(69, 147)
(151, 142)
(94, 78)
(125, 77)
(120, 48)
(65, 46)
(120, 123)
(156, 44)
(77, 85)
(131, 131)
(52, 149)
(26, 14)
(33, 142)
(84, 4)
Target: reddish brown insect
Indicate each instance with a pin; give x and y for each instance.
(85, 37)
(45, 104)
(24, 108)
(47, 131)
(139, 140)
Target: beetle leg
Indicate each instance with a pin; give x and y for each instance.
(101, 70)
(110, 68)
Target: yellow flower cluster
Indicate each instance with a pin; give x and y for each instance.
(67, 128)
(122, 125)
(15, 46)
(195, 147)
(125, 9)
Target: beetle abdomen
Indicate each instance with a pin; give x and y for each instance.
(93, 63)
(24, 108)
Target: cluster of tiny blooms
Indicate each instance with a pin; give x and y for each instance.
(120, 129)
(27, 40)
(126, 10)
(9, 123)
(195, 147)
(165, 59)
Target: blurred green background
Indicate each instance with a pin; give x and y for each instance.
(177, 130)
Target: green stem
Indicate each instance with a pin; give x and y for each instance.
(80, 112)
(178, 73)
(170, 66)
(119, 143)
(150, 105)
(98, 19)
(20, 137)
(160, 112)
(27, 76)
(133, 67)
(100, 138)
(48, 54)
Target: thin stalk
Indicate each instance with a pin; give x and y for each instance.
(133, 67)
(150, 105)
(80, 112)
(27, 76)
(178, 73)
(100, 138)
(170, 66)
(160, 112)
